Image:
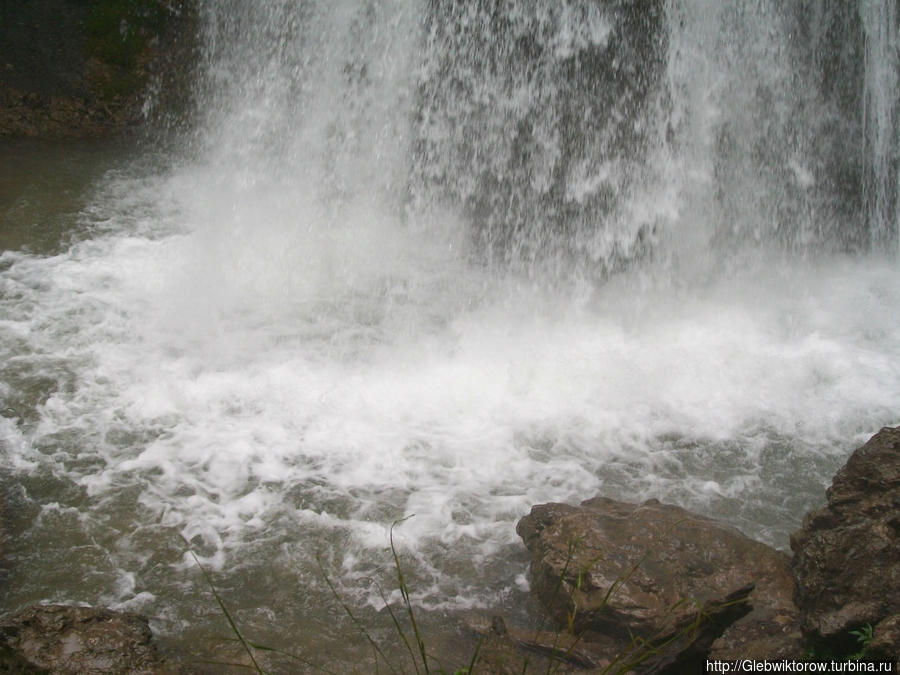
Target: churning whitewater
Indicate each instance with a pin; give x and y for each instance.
(414, 263)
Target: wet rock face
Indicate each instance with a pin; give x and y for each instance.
(81, 68)
(651, 570)
(79, 640)
(885, 644)
(847, 555)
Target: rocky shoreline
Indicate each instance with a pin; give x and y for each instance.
(666, 589)
(646, 588)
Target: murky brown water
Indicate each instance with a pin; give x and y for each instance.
(45, 184)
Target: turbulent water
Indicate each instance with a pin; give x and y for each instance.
(441, 261)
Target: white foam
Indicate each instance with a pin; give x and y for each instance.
(459, 403)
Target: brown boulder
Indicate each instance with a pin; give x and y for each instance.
(847, 555)
(79, 640)
(766, 633)
(885, 644)
(656, 572)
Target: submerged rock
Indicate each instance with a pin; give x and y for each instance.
(79, 640)
(847, 555)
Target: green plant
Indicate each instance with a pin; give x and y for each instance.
(231, 623)
(404, 592)
(849, 648)
(863, 636)
(246, 644)
(418, 657)
(118, 30)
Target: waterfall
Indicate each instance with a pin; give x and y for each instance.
(316, 93)
(535, 119)
(452, 259)
(782, 124)
(576, 135)
(881, 146)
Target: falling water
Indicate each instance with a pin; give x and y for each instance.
(437, 262)
(882, 127)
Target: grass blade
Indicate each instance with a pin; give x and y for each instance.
(227, 614)
(404, 591)
(399, 629)
(349, 612)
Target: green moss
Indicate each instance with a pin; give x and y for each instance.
(118, 31)
(120, 84)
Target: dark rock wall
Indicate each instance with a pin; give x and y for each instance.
(79, 68)
(847, 555)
